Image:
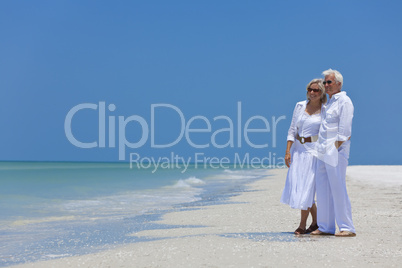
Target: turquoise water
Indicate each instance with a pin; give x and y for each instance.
(36, 190)
(51, 210)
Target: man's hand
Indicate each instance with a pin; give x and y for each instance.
(338, 144)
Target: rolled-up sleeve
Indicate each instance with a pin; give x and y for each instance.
(345, 121)
(292, 128)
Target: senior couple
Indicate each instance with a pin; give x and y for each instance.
(319, 137)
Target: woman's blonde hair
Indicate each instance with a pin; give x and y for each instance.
(318, 81)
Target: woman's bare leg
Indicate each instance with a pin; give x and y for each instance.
(313, 212)
(303, 220)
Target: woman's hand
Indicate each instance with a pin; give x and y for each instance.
(288, 159)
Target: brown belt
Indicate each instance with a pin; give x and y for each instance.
(306, 139)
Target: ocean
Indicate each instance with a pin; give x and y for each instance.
(57, 209)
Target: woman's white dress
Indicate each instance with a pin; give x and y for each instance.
(299, 188)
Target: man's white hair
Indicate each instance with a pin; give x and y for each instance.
(338, 75)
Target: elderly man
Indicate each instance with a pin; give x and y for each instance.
(334, 143)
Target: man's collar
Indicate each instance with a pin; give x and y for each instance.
(337, 95)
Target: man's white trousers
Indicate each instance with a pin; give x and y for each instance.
(333, 204)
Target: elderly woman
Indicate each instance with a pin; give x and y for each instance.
(302, 135)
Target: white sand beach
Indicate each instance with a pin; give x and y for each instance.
(254, 229)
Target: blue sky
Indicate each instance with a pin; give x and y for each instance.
(202, 57)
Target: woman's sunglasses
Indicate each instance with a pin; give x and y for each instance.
(314, 89)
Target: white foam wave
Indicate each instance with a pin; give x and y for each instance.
(195, 181)
(244, 174)
(189, 183)
(136, 202)
(182, 184)
(42, 220)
